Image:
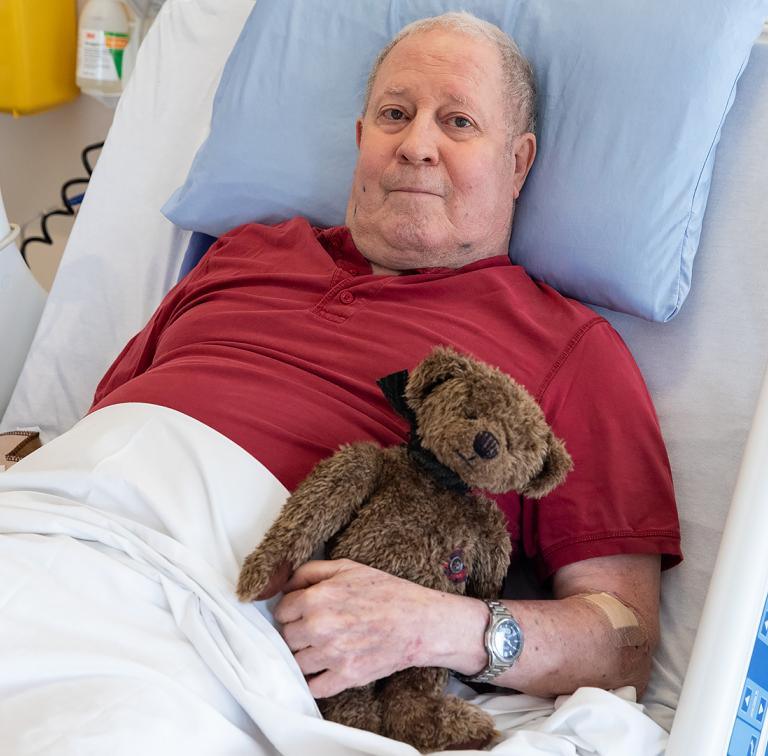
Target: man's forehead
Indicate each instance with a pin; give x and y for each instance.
(451, 65)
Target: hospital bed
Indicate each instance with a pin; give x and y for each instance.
(704, 368)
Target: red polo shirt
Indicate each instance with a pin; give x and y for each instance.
(277, 337)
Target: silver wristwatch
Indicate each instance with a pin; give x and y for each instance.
(503, 643)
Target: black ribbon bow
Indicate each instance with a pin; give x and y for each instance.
(393, 388)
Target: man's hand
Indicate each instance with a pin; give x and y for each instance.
(349, 624)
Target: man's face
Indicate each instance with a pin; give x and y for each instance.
(437, 171)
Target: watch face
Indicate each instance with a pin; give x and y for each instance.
(507, 640)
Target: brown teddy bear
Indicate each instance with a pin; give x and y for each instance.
(410, 510)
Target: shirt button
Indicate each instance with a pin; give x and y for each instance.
(347, 297)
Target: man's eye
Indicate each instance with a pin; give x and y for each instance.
(393, 114)
(461, 122)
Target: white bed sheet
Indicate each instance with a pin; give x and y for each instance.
(120, 631)
(703, 368)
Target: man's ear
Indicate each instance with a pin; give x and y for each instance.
(358, 131)
(523, 153)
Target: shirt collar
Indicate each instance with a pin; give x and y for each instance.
(337, 241)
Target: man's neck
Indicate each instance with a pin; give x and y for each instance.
(380, 270)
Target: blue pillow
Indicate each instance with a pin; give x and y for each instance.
(631, 102)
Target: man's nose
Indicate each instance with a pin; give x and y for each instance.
(419, 144)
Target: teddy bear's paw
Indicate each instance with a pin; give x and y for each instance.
(441, 724)
(355, 707)
(260, 579)
(472, 730)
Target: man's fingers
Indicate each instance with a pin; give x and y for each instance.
(326, 620)
(296, 635)
(290, 607)
(315, 572)
(327, 684)
(311, 661)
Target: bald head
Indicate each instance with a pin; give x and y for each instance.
(519, 86)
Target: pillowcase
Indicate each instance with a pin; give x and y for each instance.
(631, 103)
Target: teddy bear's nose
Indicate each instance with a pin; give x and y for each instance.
(486, 445)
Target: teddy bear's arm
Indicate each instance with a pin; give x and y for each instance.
(321, 505)
(491, 558)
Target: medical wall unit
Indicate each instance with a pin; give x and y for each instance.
(37, 54)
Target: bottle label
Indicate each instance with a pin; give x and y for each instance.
(100, 55)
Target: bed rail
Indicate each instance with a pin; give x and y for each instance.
(723, 705)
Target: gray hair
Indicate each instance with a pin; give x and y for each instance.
(519, 83)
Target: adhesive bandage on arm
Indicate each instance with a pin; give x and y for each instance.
(626, 628)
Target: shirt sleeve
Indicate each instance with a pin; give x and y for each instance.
(619, 497)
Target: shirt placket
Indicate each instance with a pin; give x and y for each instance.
(344, 298)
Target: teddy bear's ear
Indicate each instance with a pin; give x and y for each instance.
(440, 365)
(557, 465)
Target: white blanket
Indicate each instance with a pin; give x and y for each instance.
(120, 632)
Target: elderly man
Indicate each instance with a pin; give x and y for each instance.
(277, 337)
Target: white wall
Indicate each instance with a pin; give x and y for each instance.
(38, 153)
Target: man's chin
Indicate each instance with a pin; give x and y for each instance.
(415, 243)
(402, 244)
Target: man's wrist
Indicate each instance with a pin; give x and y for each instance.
(458, 636)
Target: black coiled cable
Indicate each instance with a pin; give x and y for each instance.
(69, 203)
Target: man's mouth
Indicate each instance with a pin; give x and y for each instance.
(415, 191)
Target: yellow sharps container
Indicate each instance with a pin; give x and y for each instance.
(38, 50)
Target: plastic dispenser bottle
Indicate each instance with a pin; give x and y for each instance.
(102, 38)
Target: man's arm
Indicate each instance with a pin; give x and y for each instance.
(349, 624)
(571, 642)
